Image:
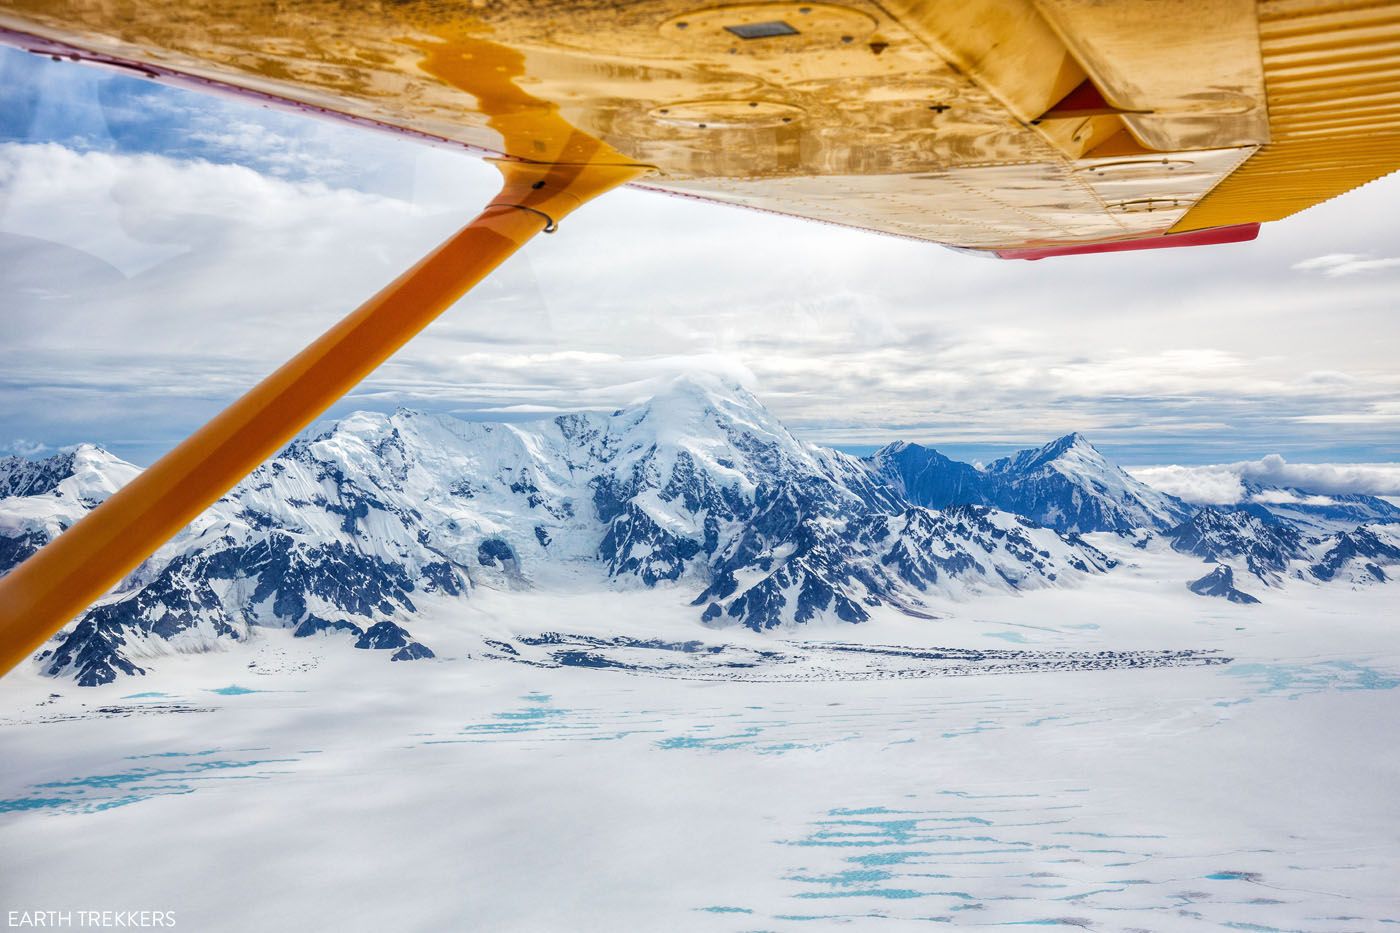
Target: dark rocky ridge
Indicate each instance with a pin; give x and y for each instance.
(1220, 582)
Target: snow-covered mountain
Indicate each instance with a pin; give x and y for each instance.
(1321, 514)
(1271, 548)
(1067, 485)
(40, 498)
(350, 527)
(1267, 546)
(1363, 555)
(928, 478)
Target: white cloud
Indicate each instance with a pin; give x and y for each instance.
(1336, 265)
(1289, 497)
(1203, 485)
(1221, 484)
(1377, 479)
(143, 292)
(25, 448)
(1384, 411)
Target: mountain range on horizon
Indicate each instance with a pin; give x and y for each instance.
(700, 488)
(1067, 485)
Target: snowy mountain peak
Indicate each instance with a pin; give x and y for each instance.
(888, 452)
(41, 498)
(692, 406)
(707, 386)
(20, 476)
(907, 450)
(926, 477)
(1072, 451)
(1071, 441)
(1067, 485)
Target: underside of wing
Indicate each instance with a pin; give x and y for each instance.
(1023, 128)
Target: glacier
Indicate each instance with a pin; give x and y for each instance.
(671, 668)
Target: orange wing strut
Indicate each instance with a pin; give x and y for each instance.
(77, 567)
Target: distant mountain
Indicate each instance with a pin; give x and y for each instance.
(1220, 582)
(1321, 514)
(1067, 485)
(350, 528)
(924, 476)
(1275, 549)
(1266, 545)
(1359, 556)
(40, 498)
(21, 477)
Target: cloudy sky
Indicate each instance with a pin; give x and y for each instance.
(161, 251)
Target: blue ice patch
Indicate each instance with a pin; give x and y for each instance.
(1295, 680)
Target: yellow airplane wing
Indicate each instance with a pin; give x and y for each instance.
(1020, 127)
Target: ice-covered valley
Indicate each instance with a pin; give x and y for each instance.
(671, 668)
(297, 783)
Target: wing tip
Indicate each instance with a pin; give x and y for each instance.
(1211, 236)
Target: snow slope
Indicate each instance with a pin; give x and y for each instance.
(699, 488)
(302, 785)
